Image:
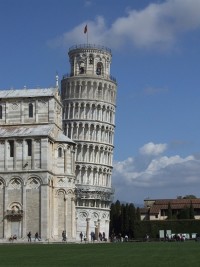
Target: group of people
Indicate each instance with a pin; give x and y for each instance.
(12, 238)
(37, 237)
(93, 237)
(119, 238)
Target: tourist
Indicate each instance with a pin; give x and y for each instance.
(29, 237)
(81, 236)
(37, 236)
(64, 236)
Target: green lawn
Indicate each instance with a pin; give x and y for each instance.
(156, 254)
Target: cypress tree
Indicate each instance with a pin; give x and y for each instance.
(138, 215)
(191, 212)
(169, 212)
(132, 219)
(126, 220)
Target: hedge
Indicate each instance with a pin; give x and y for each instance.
(141, 228)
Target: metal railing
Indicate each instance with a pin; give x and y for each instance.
(109, 77)
(90, 46)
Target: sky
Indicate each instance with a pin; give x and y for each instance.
(156, 61)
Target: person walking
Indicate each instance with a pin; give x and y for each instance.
(64, 236)
(37, 236)
(29, 237)
(81, 236)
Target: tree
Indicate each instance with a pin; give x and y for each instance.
(191, 211)
(132, 219)
(126, 220)
(169, 212)
(184, 213)
(138, 215)
(117, 218)
(189, 197)
(112, 218)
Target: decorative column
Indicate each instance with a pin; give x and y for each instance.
(98, 227)
(33, 154)
(66, 211)
(15, 155)
(87, 228)
(5, 228)
(24, 231)
(6, 154)
(65, 160)
(72, 217)
(44, 220)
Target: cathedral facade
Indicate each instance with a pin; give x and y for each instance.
(37, 171)
(56, 152)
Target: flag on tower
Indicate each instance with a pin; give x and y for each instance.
(85, 29)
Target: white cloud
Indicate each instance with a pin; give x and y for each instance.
(159, 177)
(159, 25)
(153, 149)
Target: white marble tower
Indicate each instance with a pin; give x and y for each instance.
(89, 98)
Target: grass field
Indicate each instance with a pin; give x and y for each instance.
(156, 254)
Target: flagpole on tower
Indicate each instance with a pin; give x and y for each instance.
(86, 32)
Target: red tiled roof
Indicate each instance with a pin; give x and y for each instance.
(162, 204)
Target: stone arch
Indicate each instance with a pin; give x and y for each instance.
(61, 191)
(33, 183)
(95, 216)
(2, 183)
(83, 215)
(15, 206)
(69, 192)
(15, 183)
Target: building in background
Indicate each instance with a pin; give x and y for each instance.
(89, 102)
(181, 208)
(37, 171)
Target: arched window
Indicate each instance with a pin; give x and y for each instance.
(11, 147)
(59, 152)
(1, 115)
(91, 60)
(81, 67)
(99, 68)
(30, 110)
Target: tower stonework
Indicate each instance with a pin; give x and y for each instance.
(89, 103)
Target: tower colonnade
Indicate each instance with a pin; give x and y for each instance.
(79, 88)
(91, 132)
(101, 154)
(90, 110)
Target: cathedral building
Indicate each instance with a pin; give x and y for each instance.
(56, 152)
(37, 171)
(89, 102)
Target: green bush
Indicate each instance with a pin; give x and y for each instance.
(141, 228)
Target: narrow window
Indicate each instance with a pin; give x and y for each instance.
(1, 115)
(30, 110)
(29, 147)
(81, 70)
(11, 146)
(99, 69)
(91, 61)
(59, 152)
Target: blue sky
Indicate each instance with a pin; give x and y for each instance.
(156, 60)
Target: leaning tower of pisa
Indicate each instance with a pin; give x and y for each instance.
(89, 102)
